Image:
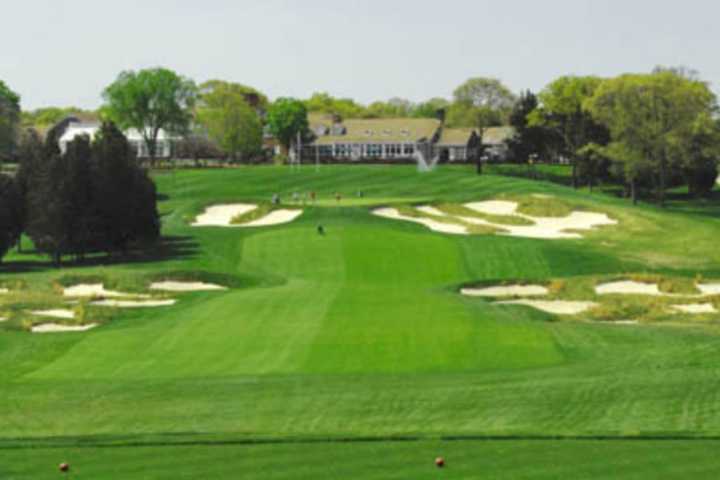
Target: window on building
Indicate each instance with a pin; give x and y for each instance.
(325, 150)
(409, 149)
(341, 150)
(374, 150)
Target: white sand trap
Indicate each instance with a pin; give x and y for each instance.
(57, 328)
(494, 207)
(134, 303)
(697, 308)
(709, 289)
(628, 287)
(172, 286)
(95, 290)
(506, 291)
(543, 227)
(434, 225)
(3, 319)
(556, 307)
(276, 217)
(57, 313)
(621, 322)
(4, 291)
(222, 215)
(428, 210)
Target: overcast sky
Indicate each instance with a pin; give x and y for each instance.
(64, 52)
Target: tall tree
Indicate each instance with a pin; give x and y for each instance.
(562, 108)
(30, 162)
(10, 214)
(126, 197)
(485, 92)
(654, 115)
(149, 101)
(230, 121)
(323, 102)
(430, 108)
(529, 139)
(49, 212)
(9, 120)
(287, 117)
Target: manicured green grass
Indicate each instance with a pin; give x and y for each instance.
(360, 334)
(515, 460)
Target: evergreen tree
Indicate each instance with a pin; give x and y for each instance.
(10, 214)
(30, 158)
(47, 204)
(126, 199)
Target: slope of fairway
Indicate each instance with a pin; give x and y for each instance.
(361, 333)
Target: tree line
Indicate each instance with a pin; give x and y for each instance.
(647, 132)
(92, 198)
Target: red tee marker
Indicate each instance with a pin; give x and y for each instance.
(64, 467)
(440, 462)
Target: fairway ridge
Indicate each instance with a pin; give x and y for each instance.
(357, 345)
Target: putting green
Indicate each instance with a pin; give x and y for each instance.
(360, 334)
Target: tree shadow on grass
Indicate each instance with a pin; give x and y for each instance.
(175, 247)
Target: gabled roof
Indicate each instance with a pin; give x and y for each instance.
(381, 130)
(456, 136)
(497, 135)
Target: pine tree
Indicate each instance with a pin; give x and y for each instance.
(10, 214)
(125, 197)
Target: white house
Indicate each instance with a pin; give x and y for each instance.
(75, 129)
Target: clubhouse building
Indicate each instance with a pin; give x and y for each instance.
(399, 140)
(73, 128)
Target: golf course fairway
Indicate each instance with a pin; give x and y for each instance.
(352, 354)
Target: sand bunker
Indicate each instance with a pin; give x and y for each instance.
(95, 290)
(3, 319)
(494, 207)
(628, 287)
(4, 291)
(542, 227)
(393, 214)
(172, 286)
(709, 289)
(134, 303)
(276, 217)
(556, 307)
(57, 313)
(57, 328)
(697, 308)
(222, 215)
(506, 291)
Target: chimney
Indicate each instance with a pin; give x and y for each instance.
(440, 115)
